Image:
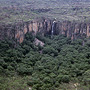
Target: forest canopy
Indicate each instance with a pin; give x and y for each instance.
(56, 65)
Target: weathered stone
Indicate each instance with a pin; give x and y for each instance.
(44, 26)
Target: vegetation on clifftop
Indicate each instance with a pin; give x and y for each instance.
(26, 10)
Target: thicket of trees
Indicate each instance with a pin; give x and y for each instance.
(44, 68)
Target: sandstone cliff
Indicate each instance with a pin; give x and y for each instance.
(44, 26)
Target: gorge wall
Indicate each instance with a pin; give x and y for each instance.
(44, 26)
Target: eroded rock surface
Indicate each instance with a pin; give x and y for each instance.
(44, 26)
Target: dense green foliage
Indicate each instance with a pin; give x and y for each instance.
(55, 66)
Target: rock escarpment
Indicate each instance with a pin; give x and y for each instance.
(44, 26)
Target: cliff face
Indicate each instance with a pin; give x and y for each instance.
(74, 30)
(44, 26)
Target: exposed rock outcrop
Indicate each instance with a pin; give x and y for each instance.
(38, 42)
(44, 26)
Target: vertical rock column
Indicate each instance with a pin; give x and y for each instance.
(20, 31)
(35, 27)
(88, 30)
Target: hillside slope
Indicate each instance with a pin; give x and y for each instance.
(26, 10)
(45, 3)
